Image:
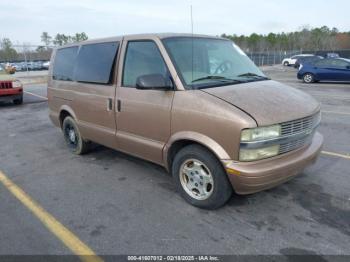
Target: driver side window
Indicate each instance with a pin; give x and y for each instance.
(142, 58)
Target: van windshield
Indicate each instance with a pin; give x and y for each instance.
(209, 62)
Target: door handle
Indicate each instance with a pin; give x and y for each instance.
(119, 105)
(109, 104)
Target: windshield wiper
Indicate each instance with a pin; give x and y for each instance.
(214, 77)
(253, 75)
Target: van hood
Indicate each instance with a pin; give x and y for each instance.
(268, 102)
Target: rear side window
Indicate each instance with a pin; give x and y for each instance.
(63, 68)
(337, 63)
(323, 63)
(95, 63)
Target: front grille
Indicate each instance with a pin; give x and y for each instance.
(284, 148)
(5, 84)
(305, 126)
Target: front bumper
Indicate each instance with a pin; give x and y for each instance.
(251, 177)
(11, 91)
(10, 94)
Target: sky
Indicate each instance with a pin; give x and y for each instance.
(23, 21)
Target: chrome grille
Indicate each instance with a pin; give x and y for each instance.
(284, 148)
(304, 125)
(5, 84)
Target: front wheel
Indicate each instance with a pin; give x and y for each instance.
(72, 136)
(200, 177)
(308, 78)
(18, 101)
(286, 63)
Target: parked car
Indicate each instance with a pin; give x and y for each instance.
(17, 66)
(332, 55)
(216, 125)
(38, 65)
(11, 90)
(306, 59)
(46, 65)
(328, 69)
(291, 61)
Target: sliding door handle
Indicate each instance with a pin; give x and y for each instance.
(109, 104)
(119, 105)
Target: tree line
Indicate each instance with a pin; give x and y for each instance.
(312, 39)
(11, 52)
(306, 39)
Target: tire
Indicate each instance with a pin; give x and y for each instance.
(286, 63)
(18, 101)
(204, 184)
(75, 142)
(308, 78)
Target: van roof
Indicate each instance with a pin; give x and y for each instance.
(159, 35)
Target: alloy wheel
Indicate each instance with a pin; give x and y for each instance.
(196, 179)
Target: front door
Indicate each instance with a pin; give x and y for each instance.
(340, 70)
(143, 116)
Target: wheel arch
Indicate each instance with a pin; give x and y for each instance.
(182, 139)
(64, 112)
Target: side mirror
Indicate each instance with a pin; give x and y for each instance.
(348, 67)
(153, 81)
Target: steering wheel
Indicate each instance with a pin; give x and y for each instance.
(223, 67)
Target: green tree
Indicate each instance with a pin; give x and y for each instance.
(7, 52)
(253, 40)
(46, 39)
(320, 38)
(79, 37)
(62, 39)
(271, 39)
(40, 49)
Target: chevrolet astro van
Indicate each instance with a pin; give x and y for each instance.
(195, 104)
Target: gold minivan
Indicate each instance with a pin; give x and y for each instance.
(195, 104)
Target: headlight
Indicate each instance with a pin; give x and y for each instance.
(16, 84)
(260, 133)
(260, 153)
(256, 135)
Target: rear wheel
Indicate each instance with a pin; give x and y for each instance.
(308, 78)
(73, 138)
(200, 177)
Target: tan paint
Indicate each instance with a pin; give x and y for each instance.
(151, 121)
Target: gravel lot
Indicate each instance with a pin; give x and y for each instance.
(117, 204)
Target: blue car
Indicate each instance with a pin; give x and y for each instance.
(329, 69)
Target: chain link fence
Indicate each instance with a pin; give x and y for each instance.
(276, 57)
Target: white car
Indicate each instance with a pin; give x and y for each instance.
(46, 65)
(291, 61)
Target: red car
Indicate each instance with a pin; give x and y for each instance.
(11, 90)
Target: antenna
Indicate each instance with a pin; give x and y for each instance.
(192, 39)
(191, 21)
